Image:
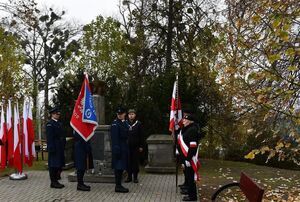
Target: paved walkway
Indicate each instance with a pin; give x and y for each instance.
(152, 187)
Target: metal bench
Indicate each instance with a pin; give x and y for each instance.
(252, 191)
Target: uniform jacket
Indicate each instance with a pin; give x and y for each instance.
(56, 142)
(119, 141)
(191, 139)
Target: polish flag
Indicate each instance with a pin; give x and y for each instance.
(17, 146)
(30, 135)
(28, 132)
(25, 133)
(3, 140)
(176, 112)
(10, 136)
(30, 129)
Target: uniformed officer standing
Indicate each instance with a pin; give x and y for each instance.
(56, 142)
(135, 145)
(119, 140)
(188, 142)
(83, 160)
(184, 186)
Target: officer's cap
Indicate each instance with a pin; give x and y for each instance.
(131, 111)
(120, 110)
(189, 117)
(54, 110)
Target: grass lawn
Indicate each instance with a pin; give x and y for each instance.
(279, 184)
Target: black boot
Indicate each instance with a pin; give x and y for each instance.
(135, 178)
(189, 198)
(121, 189)
(83, 187)
(53, 177)
(56, 185)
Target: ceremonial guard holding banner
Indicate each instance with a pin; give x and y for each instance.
(84, 123)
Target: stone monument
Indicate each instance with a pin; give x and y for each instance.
(100, 142)
(160, 154)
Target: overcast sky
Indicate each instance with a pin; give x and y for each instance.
(82, 11)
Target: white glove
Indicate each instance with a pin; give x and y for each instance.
(187, 164)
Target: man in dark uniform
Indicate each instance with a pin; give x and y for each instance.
(119, 140)
(184, 186)
(83, 160)
(56, 142)
(135, 145)
(188, 143)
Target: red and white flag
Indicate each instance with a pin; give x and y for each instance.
(25, 132)
(30, 129)
(84, 119)
(176, 112)
(3, 140)
(10, 136)
(28, 134)
(17, 141)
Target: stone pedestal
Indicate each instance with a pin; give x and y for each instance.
(160, 154)
(69, 153)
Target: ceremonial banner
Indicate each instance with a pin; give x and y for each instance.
(84, 119)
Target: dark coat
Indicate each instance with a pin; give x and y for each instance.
(190, 134)
(56, 142)
(135, 134)
(83, 153)
(135, 141)
(119, 141)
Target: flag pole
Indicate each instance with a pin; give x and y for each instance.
(175, 135)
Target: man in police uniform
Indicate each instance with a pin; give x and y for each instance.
(83, 160)
(56, 142)
(135, 137)
(119, 140)
(188, 143)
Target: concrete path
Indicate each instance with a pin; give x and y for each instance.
(151, 187)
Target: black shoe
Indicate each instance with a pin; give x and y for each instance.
(184, 192)
(56, 185)
(59, 178)
(182, 185)
(188, 198)
(135, 181)
(61, 184)
(82, 187)
(128, 180)
(87, 186)
(121, 189)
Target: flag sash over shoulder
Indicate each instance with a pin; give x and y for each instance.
(84, 119)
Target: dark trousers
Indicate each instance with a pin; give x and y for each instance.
(53, 173)
(80, 174)
(185, 177)
(118, 177)
(192, 190)
(133, 162)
